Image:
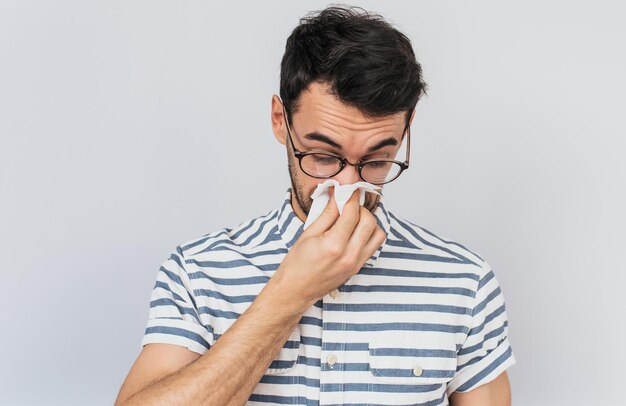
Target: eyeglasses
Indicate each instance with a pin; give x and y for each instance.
(325, 165)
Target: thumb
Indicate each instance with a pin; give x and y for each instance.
(327, 218)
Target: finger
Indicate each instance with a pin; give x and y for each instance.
(362, 233)
(377, 239)
(347, 221)
(328, 216)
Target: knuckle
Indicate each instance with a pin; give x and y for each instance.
(368, 220)
(365, 212)
(381, 235)
(332, 248)
(346, 262)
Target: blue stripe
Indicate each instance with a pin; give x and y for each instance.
(376, 271)
(408, 373)
(290, 218)
(408, 289)
(315, 341)
(172, 276)
(399, 243)
(383, 372)
(313, 362)
(421, 257)
(176, 259)
(490, 317)
(296, 236)
(375, 387)
(258, 231)
(205, 238)
(218, 313)
(341, 367)
(226, 298)
(481, 306)
(170, 302)
(250, 280)
(281, 400)
(413, 352)
(394, 307)
(243, 227)
(244, 254)
(290, 380)
(479, 376)
(166, 287)
(494, 333)
(402, 239)
(216, 244)
(235, 263)
(490, 275)
(328, 346)
(273, 235)
(313, 321)
(282, 364)
(178, 332)
(478, 357)
(396, 327)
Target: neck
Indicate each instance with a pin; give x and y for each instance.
(296, 207)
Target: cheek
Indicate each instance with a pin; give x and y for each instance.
(310, 188)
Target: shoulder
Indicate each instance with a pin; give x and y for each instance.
(240, 237)
(434, 247)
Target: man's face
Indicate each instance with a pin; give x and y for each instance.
(346, 133)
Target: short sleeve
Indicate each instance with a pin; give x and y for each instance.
(173, 316)
(486, 352)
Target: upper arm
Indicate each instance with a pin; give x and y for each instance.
(486, 351)
(153, 363)
(494, 393)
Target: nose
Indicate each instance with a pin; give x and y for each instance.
(348, 175)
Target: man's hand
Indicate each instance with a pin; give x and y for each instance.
(330, 251)
(493, 393)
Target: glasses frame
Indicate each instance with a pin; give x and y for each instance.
(344, 162)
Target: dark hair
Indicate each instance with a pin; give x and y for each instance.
(367, 63)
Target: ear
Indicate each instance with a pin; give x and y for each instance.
(278, 120)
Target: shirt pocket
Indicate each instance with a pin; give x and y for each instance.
(287, 357)
(412, 358)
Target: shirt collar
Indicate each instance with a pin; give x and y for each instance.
(290, 226)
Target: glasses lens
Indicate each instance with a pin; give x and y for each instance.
(320, 164)
(378, 172)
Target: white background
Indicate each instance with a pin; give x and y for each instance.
(129, 127)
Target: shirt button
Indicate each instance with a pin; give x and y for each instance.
(331, 360)
(334, 293)
(417, 371)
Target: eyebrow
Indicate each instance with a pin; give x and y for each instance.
(315, 136)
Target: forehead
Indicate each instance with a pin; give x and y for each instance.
(317, 107)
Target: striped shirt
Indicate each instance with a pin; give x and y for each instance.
(422, 318)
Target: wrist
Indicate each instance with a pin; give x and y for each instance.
(287, 301)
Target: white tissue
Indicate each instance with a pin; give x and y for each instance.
(342, 194)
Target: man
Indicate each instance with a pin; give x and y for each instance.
(360, 308)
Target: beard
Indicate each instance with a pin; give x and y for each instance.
(304, 198)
